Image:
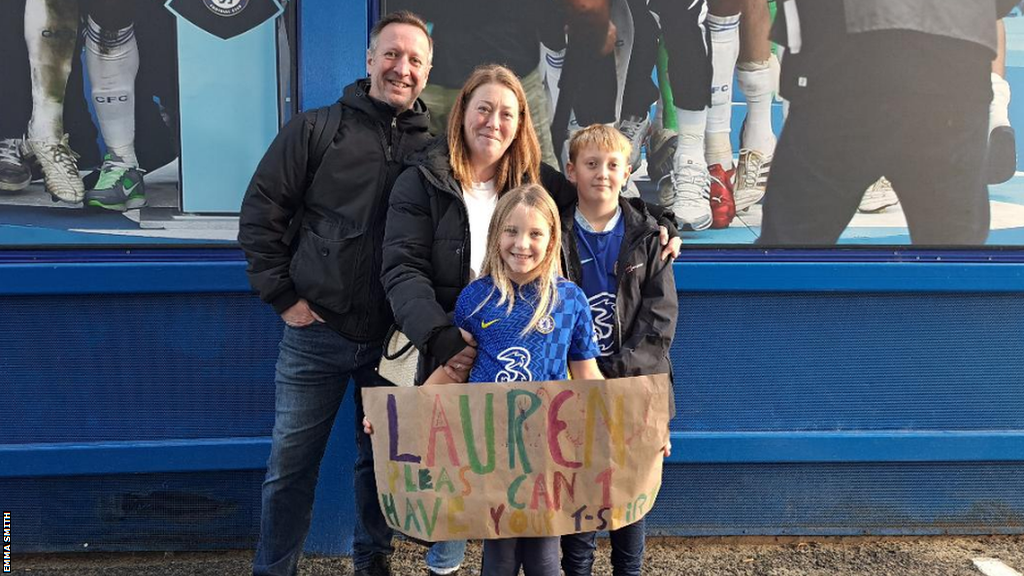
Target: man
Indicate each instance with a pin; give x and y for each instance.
(883, 88)
(327, 288)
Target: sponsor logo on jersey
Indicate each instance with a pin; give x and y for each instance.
(602, 307)
(486, 324)
(517, 365)
(226, 8)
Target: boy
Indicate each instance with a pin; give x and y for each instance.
(611, 250)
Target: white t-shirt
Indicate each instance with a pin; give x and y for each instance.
(481, 198)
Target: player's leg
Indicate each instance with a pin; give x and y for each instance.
(15, 98)
(724, 28)
(51, 30)
(112, 59)
(757, 76)
(1002, 148)
(687, 189)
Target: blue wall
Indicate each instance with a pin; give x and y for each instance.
(832, 392)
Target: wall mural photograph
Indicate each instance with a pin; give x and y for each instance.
(129, 121)
(698, 88)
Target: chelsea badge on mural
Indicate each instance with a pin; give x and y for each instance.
(225, 18)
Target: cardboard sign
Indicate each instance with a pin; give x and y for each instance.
(518, 459)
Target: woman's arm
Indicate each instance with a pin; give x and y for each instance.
(407, 272)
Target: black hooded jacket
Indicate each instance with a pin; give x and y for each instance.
(335, 261)
(646, 302)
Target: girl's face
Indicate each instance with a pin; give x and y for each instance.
(523, 244)
(490, 123)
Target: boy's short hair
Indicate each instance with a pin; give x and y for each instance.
(604, 138)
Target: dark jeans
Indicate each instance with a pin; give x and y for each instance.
(536, 556)
(627, 551)
(313, 369)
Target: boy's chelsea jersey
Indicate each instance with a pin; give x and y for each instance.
(503, 354)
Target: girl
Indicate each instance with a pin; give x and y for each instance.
(530, 324)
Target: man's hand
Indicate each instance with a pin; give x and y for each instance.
(458, 366)
(300, 315)
(671, 245)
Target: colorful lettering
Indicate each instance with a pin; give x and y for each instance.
(439, 424)
(555, 427)
(516, 419)
(467, 432)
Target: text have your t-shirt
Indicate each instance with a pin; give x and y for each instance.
(504, 354)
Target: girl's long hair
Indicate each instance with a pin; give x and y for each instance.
(523, 155)
(534, 197)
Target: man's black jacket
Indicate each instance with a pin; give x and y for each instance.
(335, 261)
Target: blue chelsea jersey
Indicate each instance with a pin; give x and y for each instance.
(504, 354)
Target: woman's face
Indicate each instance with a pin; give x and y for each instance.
(490, 124)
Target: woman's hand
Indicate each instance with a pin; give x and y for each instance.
(671, 245)
(367, 427)
(458, 366)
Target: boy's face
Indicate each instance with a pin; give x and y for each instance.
(598, 174)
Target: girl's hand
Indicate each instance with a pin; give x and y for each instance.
(367, 427)
(666, 450)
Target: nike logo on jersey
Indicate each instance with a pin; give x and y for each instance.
(486, 324)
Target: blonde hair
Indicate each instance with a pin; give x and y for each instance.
(523, 154)
(604, 138)
(534, 197)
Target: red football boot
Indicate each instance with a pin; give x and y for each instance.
(723, 206)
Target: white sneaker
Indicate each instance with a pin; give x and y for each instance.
(751, 178)
(878, 197)
(60, 171)
(14, 171)
(636, 131)
(687, 192)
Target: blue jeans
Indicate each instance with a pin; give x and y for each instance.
(313, 369)
(627, 551)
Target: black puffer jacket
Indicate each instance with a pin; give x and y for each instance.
(426, 245)
(335, 263)
(646, 303)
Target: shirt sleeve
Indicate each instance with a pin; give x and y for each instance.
(462, 309)
(584, 342)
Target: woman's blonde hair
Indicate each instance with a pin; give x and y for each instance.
(534, 197)
(523, 154)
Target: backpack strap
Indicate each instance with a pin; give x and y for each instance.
(326, 122)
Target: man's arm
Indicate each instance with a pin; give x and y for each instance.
(275, 193)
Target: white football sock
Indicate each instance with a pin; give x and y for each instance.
(50, 33)
(725, 49)
(112, 58)
(691, 127)
(758, 82)
(999, 109)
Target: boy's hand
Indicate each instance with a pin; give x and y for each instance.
(367, 427)
(671, 245)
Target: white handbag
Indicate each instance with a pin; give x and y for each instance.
(398, 364)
